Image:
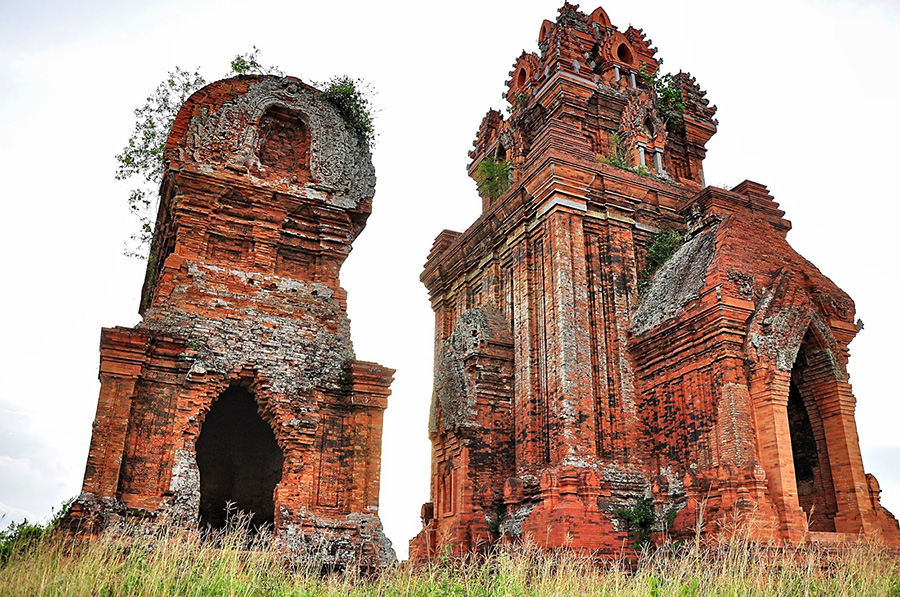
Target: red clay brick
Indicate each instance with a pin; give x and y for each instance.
(564, 391)
(264, 191)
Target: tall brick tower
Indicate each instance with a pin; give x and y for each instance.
(572, 380)
(240, 384)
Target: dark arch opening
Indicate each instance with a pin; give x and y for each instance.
(809, 449)
(239, 460)
(624, 54)
(803, 443)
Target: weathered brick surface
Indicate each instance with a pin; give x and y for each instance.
(562, 393)
(265, 189)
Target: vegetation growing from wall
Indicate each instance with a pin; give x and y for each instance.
(352, 98)
(521, 100)
(662, 246)
(640, 518)
(621, 150)
(494, 177)
(667, 96)
(496, 522)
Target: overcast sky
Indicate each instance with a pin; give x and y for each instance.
(807, 94)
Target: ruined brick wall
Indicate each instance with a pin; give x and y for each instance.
(677, 393)
(265, 189)
(737, 303)
(473, 455)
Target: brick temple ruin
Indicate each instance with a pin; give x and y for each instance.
(240, 384)
(570, 384)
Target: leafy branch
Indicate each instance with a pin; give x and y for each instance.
(494, 177)
(248, 64)
(353, 99)
(142, 157)
(141, 160)
(667, 95)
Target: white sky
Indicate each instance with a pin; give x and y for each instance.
(807, 94)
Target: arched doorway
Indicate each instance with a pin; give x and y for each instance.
(239, 460)
(809, 446)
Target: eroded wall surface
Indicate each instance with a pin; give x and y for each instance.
(265, 189)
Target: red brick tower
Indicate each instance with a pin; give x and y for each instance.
(572, 381)
(240, 384)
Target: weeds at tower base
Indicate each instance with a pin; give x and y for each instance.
(138, 561)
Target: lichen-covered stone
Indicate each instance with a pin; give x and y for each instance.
(454, 395)
(677, 283)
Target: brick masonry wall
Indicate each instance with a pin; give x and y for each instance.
(265, 189)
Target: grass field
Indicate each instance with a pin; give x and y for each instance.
(163, 563)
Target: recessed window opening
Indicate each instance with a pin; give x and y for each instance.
(284, 144)
(521, 78)
(240, 462)
(447, 491)
(624, 54)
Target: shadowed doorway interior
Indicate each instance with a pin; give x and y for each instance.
(809, 447)
(239, 460)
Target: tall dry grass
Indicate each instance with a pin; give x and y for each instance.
(160, 562)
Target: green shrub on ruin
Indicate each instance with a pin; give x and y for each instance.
(494, 177)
